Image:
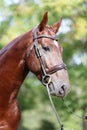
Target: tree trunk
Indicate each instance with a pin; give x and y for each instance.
(84, 121)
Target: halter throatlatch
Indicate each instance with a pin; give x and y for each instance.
(46, 78)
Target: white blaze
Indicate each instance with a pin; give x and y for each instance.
(56, 43)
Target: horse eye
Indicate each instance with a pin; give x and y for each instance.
(46, 48)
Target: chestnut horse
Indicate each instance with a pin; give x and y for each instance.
(37, 51)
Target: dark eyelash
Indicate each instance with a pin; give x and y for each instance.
(46, 48)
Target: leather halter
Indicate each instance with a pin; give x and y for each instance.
(36, 47)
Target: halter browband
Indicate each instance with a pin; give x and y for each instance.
(46, 36)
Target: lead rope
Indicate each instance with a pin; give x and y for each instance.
(70, 111)
(54, 109)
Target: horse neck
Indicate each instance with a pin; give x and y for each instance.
(13, 58)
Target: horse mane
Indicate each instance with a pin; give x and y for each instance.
(9, 45)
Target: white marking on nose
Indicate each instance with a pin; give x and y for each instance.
(56, 43)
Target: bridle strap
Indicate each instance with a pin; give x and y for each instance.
(42, 36)
(46, 36)
(56, 68)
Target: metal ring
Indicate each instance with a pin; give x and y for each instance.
(46, 80)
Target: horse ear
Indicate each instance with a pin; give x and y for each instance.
(43, 22)
(57, 25)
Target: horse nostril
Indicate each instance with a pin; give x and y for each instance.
(62, 89)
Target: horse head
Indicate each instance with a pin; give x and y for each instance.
(45, 58)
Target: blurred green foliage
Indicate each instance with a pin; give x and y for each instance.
(17, 17)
